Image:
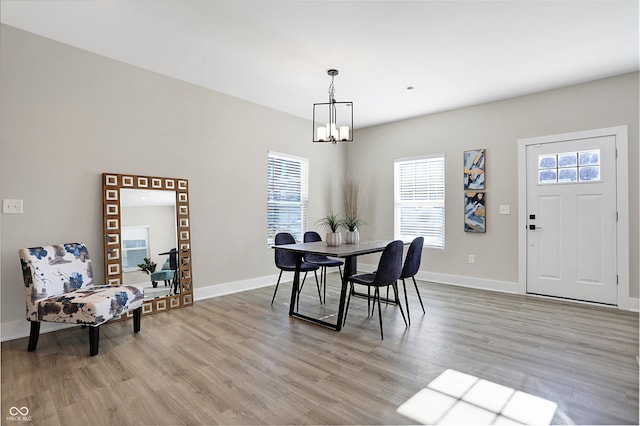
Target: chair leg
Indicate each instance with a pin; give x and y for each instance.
(377, 296)
(318, 285)
(346, 309)
(324, 286)
(33, 336)
(276, 289)
(137, 314)
(340, 270)
(419, 298)
(94, 340)
(395, 291)
(406, 300)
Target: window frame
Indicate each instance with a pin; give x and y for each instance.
(274, 227)
(145, 236)
(438, 240)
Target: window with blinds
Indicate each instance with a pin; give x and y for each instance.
(287, 195)
(135, 247)
(419, 200)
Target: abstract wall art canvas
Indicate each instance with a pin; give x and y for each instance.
(474, 169)
(475, 212)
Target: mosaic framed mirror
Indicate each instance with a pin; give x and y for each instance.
(147, 217)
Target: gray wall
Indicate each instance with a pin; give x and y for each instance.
(67, 115)
(496, 126)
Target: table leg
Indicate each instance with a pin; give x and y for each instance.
(349, 266)
(296, 284)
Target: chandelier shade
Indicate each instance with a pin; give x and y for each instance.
(333, 120)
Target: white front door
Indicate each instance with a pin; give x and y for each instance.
(571, 219)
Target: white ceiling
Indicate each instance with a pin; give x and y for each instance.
(276, 53)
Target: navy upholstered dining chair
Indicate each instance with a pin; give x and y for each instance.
(322, 261)
(286, 261)
(387, 275)
(410, 269)
(59, 287)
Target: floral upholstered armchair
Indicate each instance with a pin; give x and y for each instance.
(59, 288)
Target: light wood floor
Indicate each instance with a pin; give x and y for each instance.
(237, 360)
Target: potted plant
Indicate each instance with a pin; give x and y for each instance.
(332, 222)
(351, 223)
(148, 266)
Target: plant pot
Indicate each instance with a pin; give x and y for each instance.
(334, 239)
(352, 237)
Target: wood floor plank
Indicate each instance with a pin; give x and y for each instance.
(236, 359)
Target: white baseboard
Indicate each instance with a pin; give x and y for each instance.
(201, 293)
(458, 280)
(634, 304)
(18, 329)
(471, 282)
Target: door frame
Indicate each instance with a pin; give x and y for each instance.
(622, 203)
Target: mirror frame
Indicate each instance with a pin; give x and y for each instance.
(111, 185)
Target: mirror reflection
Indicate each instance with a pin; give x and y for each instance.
(149, 241)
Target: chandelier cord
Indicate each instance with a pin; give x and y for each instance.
(331, 90)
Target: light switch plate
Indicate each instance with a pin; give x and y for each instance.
(505, 209)
(12, 206)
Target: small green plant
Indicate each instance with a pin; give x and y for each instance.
(351, 223)
(331, 221)
(148, 266)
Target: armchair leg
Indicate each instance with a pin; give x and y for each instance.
(33, 336)
(137, 314)
(94, 340)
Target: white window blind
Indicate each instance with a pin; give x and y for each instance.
(287, 195)
(419, 200)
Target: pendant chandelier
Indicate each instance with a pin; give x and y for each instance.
(333, 121)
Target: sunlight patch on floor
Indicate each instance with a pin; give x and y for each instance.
(458, 398)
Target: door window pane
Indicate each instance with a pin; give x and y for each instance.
(547, 162)
(568, 159)
(547, 176)
(589, 158)
(590, 173)
(568, 175)
(569, 167)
